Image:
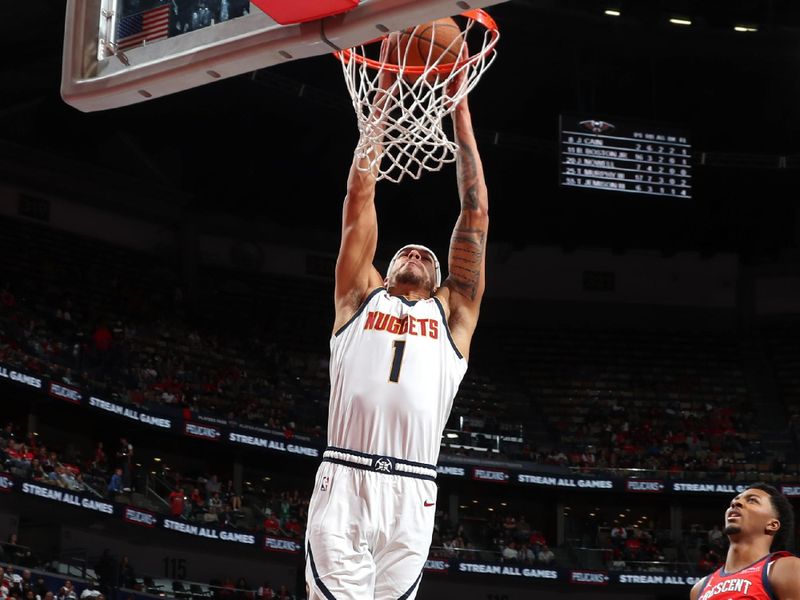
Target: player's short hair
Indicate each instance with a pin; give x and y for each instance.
(783, 539)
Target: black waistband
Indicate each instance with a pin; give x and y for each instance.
(388, 465)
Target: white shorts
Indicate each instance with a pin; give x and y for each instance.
(368, 532)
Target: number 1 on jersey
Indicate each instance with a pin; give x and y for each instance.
(397, 361)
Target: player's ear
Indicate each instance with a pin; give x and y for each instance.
(773, 526)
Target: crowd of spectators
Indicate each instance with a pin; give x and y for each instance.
(499, 537)
(25, 577)
(632, 548)
(243, 350)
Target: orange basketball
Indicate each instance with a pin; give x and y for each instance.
(436, 42)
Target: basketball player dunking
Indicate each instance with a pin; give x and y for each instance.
(398, 353)
(759, 524)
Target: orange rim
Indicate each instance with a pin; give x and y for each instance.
(478, 15)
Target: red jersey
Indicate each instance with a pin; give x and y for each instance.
(750, 583)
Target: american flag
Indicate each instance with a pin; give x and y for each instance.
(147, 26)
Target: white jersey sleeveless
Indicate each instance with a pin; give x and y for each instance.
(395, 371)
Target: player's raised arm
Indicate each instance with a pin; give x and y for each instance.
(463, 288)
(355, 273)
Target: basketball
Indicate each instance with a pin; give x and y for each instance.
(435, 42)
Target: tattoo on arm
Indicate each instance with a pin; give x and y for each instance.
(466, 257)
(467, 176)
(468, 244)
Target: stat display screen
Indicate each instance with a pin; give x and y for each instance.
(624, 156)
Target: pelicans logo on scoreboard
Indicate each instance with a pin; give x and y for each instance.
(597, 126)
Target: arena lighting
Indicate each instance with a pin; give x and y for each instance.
(745, 28)
(156, 459)
(452, 435)
(677, 21)
(611, 12)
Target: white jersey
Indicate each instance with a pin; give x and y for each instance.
(395, 371)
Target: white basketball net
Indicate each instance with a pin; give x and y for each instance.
(400, 126)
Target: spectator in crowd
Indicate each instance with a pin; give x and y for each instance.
(26, 580)
(115, 483)
(100, 460)
(618, 536)
(293, 528)
(536, 541)
(125, 460)
(243, 591)
(716, 538)
(41, 589)
(127, 576)
(67, 591)
(90, 592)
(709, 561)
(197, 502)
(510, 552)
(523, 532)
(633, 547)
(177, 502)
(526, 554)
(215, 504)
(272, 525)
(213, 486)
(546, 555)
(18, 554)
(37, 472)
(106, 567)
(230, 496)
(265, 592)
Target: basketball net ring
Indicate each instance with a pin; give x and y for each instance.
(400, 107)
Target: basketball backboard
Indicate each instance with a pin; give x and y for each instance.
(119, 52)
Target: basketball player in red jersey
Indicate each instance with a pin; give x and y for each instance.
(759, 524)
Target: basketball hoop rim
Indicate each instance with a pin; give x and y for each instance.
(478, 15)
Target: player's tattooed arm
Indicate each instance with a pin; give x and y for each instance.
(468, 242)
(467, 247)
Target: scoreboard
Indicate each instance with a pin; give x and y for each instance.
(620, 156)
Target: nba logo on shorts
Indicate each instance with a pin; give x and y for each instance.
(324, 486)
